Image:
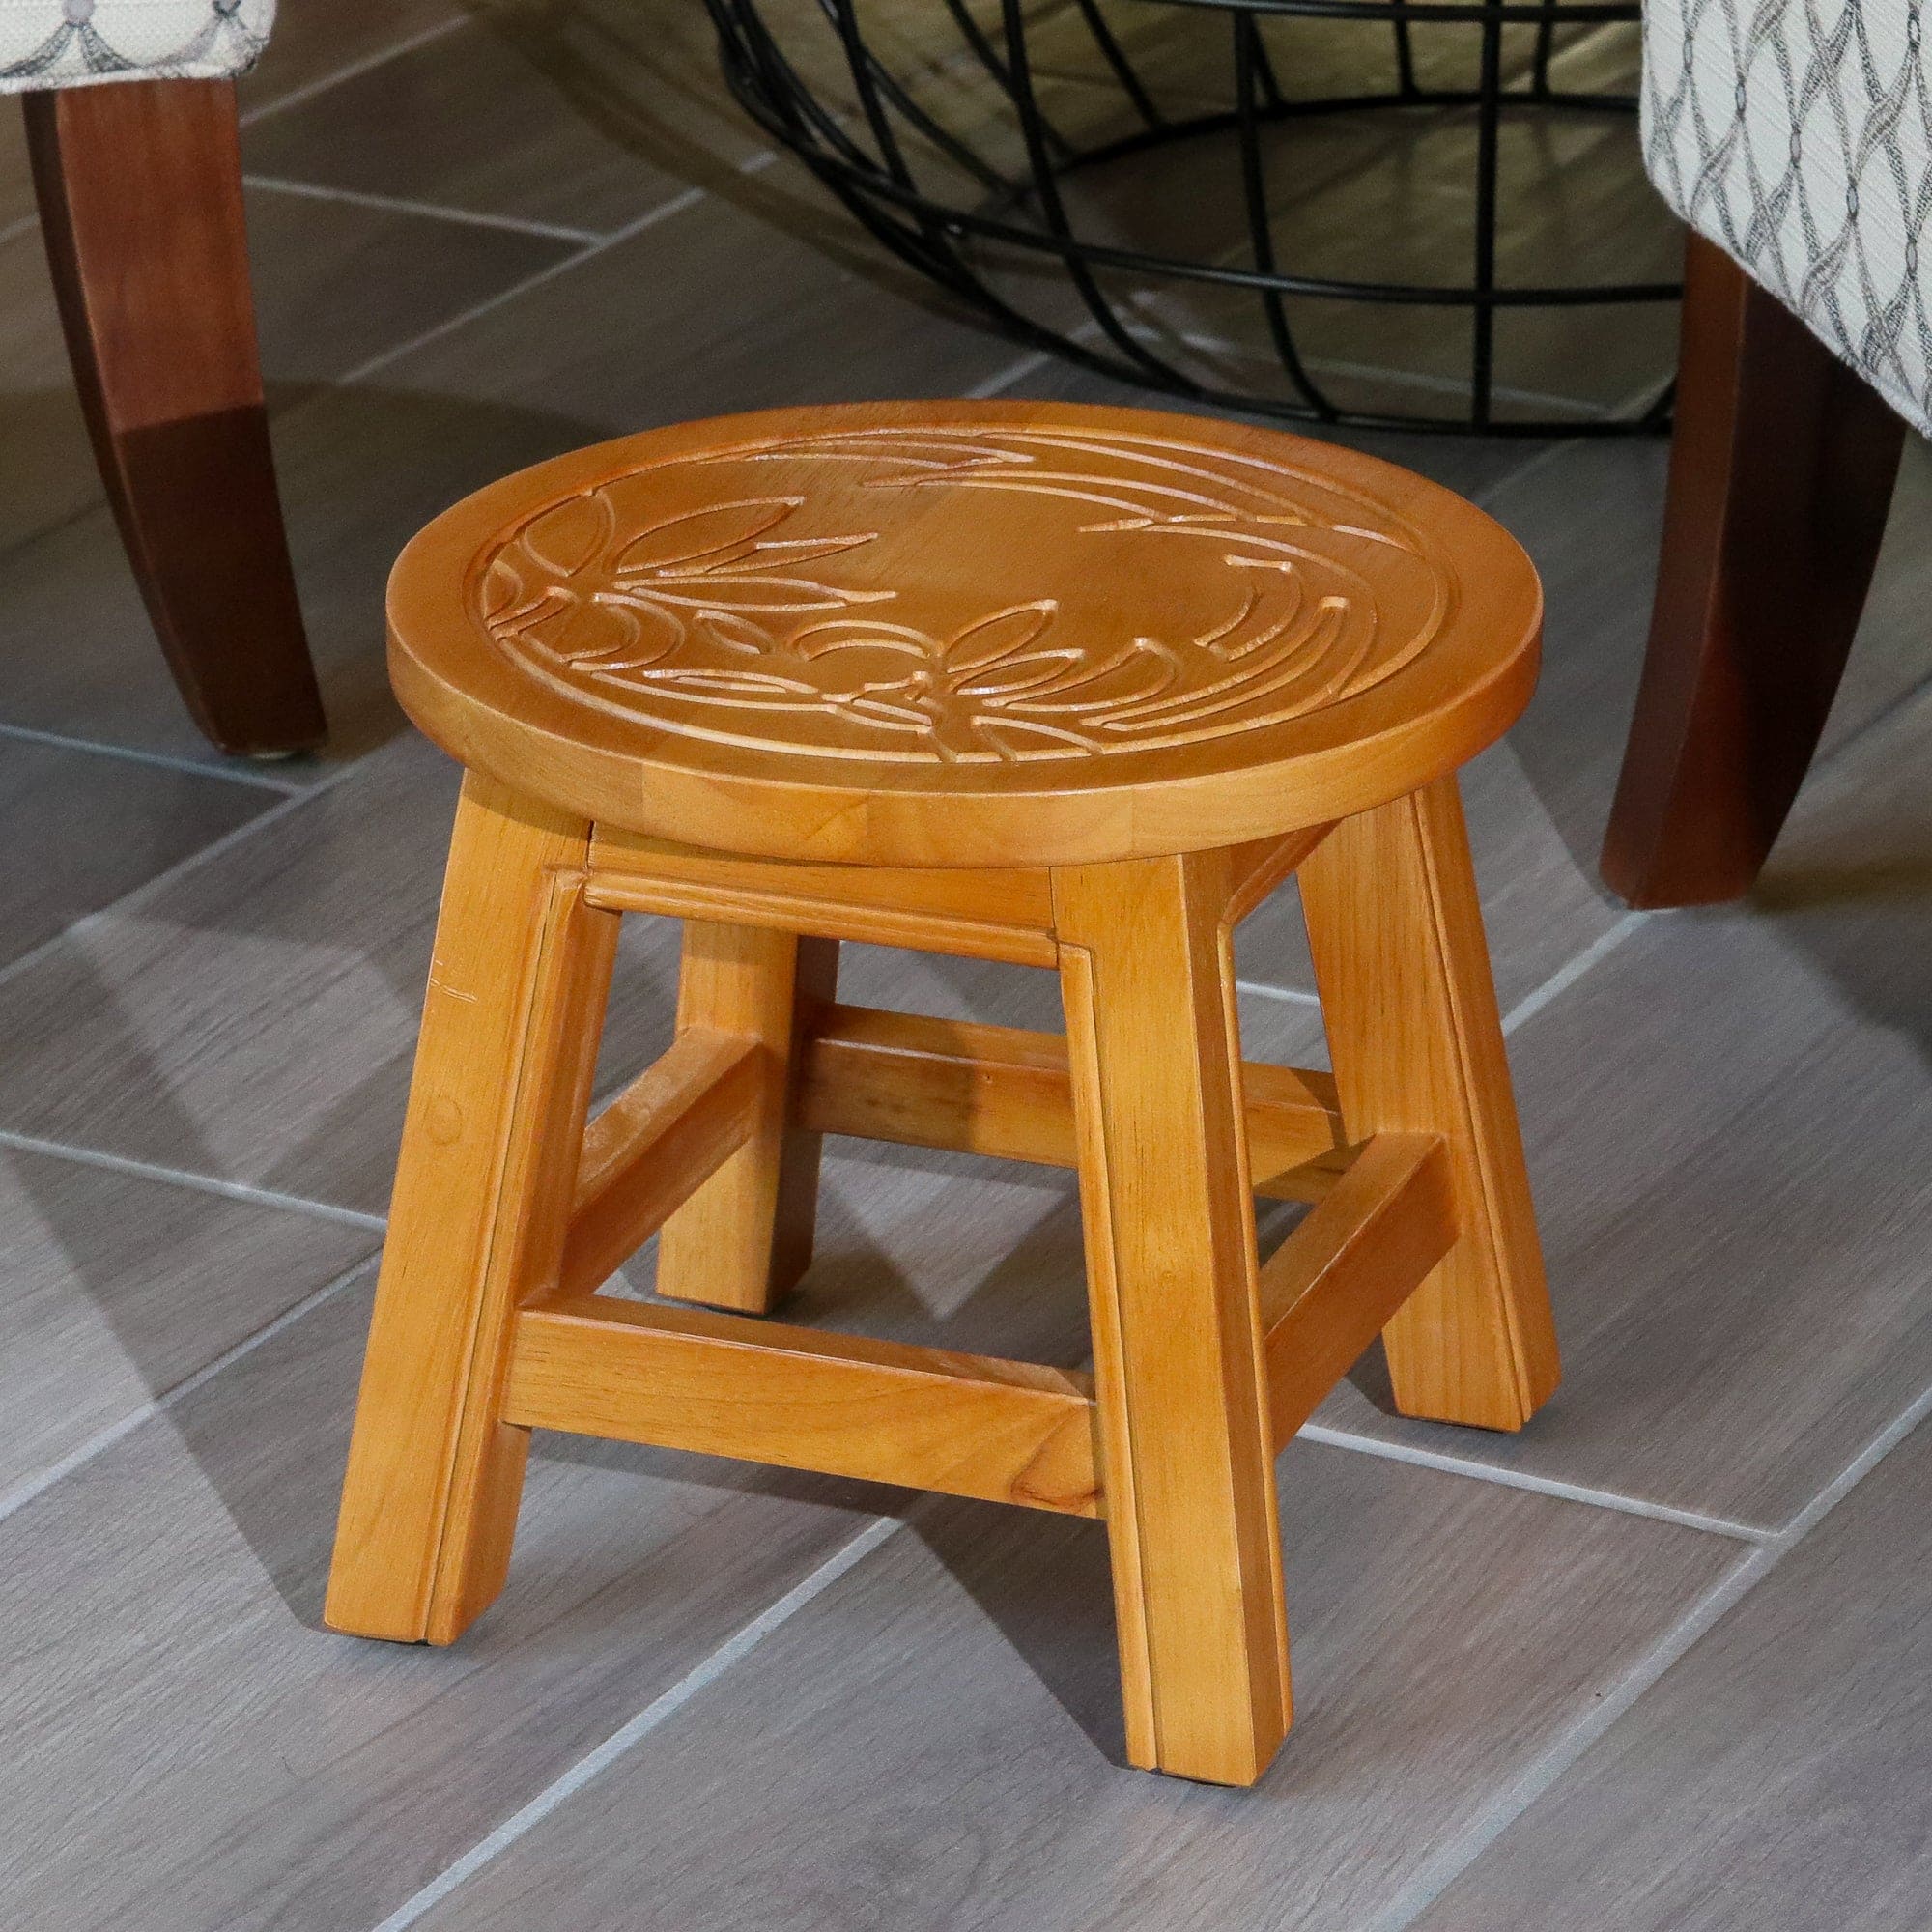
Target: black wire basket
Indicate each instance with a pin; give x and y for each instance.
(1329, 211)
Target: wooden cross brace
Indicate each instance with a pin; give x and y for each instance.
(966, 1425)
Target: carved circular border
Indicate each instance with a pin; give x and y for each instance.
(598, 609)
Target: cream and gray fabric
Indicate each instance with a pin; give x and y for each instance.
(72, 43)
(1797, 134)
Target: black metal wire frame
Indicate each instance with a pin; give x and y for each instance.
(1026, 210)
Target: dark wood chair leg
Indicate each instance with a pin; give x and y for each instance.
(1780, 477)
(140, 190)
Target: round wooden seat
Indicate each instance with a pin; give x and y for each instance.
(963, 633)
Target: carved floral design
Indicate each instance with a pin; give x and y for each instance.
(724, 596)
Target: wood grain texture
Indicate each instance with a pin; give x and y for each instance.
(974, 634)
(928, 1418)
(1339, 1278)
(140, 187)
(484, 1185)
(744, 1236)
(992, 913)
(1006, 1092)
(1148, 978)
(1781, 470)
(1395, 932)
(666, 1133)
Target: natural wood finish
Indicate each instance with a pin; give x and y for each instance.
(1059, 685)
(744, 1236)
(653, 1145)
(725, 1386)
(996, 633)
(1396, 931)
(1148, 978)
(1006, 1092)
(999, 914)
(1782, 472)
(484, 1185)
(1336, 1282)
(140, 193)
(1258, 869)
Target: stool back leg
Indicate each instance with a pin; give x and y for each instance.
(484, 1180)
(1403, 967)
(1148, 980)
(744, 1238)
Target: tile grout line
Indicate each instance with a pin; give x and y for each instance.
(194, 1184)
(166, 761)
(1573, 969)
(355, 69)
(589, 251)
(1540, 1485)
(395, 204)
(139, 895)
(103, 1439)
(1292, 995)
(1437, 1874)
(629, 1735)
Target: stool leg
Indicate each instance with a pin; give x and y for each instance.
(1148, 980)
(1403, 972)
(483, 1190)
(744, 1238)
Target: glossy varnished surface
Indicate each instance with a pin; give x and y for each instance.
(963, 634)
(1736, 1212)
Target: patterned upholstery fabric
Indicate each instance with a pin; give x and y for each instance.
(71, 42)
(1797, 134)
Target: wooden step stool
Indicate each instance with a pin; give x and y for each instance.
(1072, 686)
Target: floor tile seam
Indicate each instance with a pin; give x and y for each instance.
(189, 1182)
(355, 69)
(1209, 342)
(137, 895)
(435, 210)
(1586, 1495)
(1521, 1792)
(629, 1735)
(1294, 995)
(105, 1437)
(165, 761)
(588, 252)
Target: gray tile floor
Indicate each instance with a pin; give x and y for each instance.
(1661, 1661)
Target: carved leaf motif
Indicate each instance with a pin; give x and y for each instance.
(1270, 611)
(701, 537)
(502, 589)
(999, 637)
(570, 536)
(589, 630)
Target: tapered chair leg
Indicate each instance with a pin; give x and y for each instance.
(1148, 980)
(1403, 972)
(744, 1238)
(484, 1185)
(140, 191)
(1782, 472)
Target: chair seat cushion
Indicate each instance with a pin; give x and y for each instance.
(70, 42)
(1797, 135)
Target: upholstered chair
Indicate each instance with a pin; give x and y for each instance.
(1795, 139)
(133, 138)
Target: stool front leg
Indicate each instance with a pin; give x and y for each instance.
(484, 1180)
(744, 1238)
(1148, 981)
(1396, 930)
